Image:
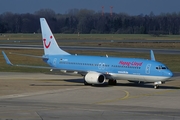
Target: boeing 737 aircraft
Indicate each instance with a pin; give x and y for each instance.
(96, 69)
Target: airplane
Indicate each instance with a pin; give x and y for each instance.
(97, 69)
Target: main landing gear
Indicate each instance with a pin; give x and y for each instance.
(112, 82)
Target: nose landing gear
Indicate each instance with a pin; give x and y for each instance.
(156, 84)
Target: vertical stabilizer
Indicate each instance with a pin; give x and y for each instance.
(49, 42)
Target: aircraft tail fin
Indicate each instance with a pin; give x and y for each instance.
(49, 42)
(152, 56)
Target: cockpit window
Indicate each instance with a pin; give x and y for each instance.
(161, 67)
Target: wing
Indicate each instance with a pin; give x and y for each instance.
(42, 57)
(9, 62)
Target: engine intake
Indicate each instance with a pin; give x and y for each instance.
(95, 78)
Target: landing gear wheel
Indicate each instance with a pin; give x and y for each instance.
(112, 82)
(156, 86)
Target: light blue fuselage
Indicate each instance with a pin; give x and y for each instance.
(119, 68)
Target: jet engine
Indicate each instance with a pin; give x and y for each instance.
(95, 78)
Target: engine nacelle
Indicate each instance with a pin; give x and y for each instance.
(95, 78)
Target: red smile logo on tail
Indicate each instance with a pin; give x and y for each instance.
(47, 45)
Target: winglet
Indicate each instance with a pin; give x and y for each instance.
(152, 56)
(6, 58)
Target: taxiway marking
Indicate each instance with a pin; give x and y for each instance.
(128, 96)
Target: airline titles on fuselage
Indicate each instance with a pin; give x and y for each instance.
(125, 63)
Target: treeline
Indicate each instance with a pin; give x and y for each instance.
(88, 21)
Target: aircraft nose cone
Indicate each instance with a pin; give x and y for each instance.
(170, 74)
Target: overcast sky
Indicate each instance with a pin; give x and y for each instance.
(132, 7)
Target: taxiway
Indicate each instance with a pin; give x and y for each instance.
(37, 96)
